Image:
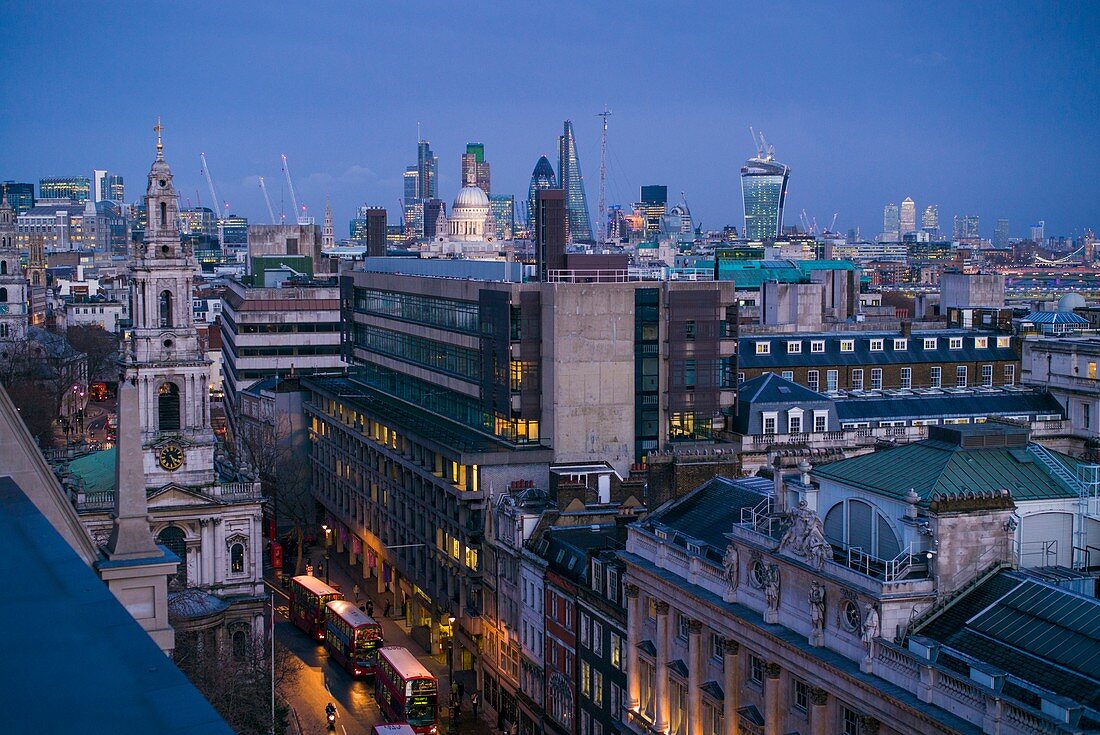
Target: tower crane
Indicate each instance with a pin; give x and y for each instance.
(299, 215)
(267, 200)
(210, 182)
(601, 206)
(832, 225)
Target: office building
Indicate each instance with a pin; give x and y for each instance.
(763, 194)
(572, 182)
(908, 217)
(930, 221)
(427, 171)
(966, 228)
(1000, 233)
(654, 205)
(1039, 232)
(551, 231)
(435, 218)
(542, 177)
(303, 240)
(233, 232)
(108, 187)
(369, 228)
(891, 223)
(199, 221)
(74, 188)
(503, 208)
(19, 195)
(475, 168)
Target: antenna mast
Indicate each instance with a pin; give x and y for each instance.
(601, 206)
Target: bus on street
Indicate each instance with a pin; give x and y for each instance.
(308, 597)
(406, 691)
(352, 638)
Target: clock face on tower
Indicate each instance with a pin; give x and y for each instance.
(171, 457)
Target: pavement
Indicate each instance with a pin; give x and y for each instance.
(323, 681)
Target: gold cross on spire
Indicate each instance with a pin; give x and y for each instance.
(158, 128)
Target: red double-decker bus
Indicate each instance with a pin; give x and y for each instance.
(406, 691)
(352, 638)
(308, 597)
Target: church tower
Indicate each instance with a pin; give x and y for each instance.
(163, 354)
(13, 286)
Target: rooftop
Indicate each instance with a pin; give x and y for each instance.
(959, 460)
(132, 686)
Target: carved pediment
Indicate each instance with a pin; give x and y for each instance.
(173, 496)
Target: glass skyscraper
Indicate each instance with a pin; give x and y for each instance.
(475, 169)
(891, 223)
(20, 195)
(503, 207)
(763, 193)
(930, 221)
(77, 188)
(427, 170)
(541, 178)
(576, 203)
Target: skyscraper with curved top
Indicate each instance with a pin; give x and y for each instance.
(763, 192)
(541, 178)
(569, 171)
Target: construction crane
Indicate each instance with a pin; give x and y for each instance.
(210, 182)
(267, 200)
(601, 206)
(299, 214)
(832, 225)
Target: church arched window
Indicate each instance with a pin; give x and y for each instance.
(3, 335)
(3, 267)
(236, 559)
(165, 308)
(172, 537)
(240, 644)
(3, 295)
(163, 214)
(168, 405)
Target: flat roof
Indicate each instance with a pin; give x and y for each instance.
(72, 651)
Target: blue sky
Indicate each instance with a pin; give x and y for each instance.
(983, 108)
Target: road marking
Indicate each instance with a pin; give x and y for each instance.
(344, 729)
(276, 590)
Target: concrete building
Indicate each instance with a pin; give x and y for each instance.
(1066, 367)
(269, 332)
(285, 240)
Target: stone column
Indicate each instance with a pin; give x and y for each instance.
(660, 718)
(819, 701)
(731, 685)
(772, 712)
(633, 633)
(695, 674)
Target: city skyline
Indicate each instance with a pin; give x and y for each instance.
(355, 147)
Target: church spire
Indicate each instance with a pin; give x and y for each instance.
(160, 144)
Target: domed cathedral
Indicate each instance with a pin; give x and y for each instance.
(212, 523)
(471, 231)
(13, 285)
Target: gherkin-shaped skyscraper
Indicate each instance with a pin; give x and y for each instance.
(541, 178)
(576, 203)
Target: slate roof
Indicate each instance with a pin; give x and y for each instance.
(1040, 633)
(567, 547)
(948, 405)
(771, 388)
(935, 467)
(863, 356)
(709, 512)
(130, 686)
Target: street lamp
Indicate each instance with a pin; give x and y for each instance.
(451, 668)
(328, 543)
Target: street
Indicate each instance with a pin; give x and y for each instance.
(321, 680)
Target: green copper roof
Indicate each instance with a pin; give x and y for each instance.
(97, 470)
(934, 467)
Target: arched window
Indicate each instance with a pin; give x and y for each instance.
(3, 335)
(236, 559)
(163, 214)
(165, 308)
(240, 644)
(858, 524)
(172, 537)
(168, 406)
(3, 295)
(3, 267)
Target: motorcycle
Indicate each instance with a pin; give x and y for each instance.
(330, 713)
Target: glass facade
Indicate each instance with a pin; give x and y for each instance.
(647, 366)
(427, 170)
(503, 208)
(541, 178)
(234, 231)
(77, 188)
(763, 192)
(19, 195)
(576, 203)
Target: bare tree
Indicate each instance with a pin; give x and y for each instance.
(37, 406)
(279, 455)
(236, 680)
(100, 347)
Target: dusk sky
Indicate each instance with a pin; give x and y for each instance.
(990, 109)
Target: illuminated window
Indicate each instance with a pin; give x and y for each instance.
(1004, 341)
(981, 342)
(847, 345)
(763, 348)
